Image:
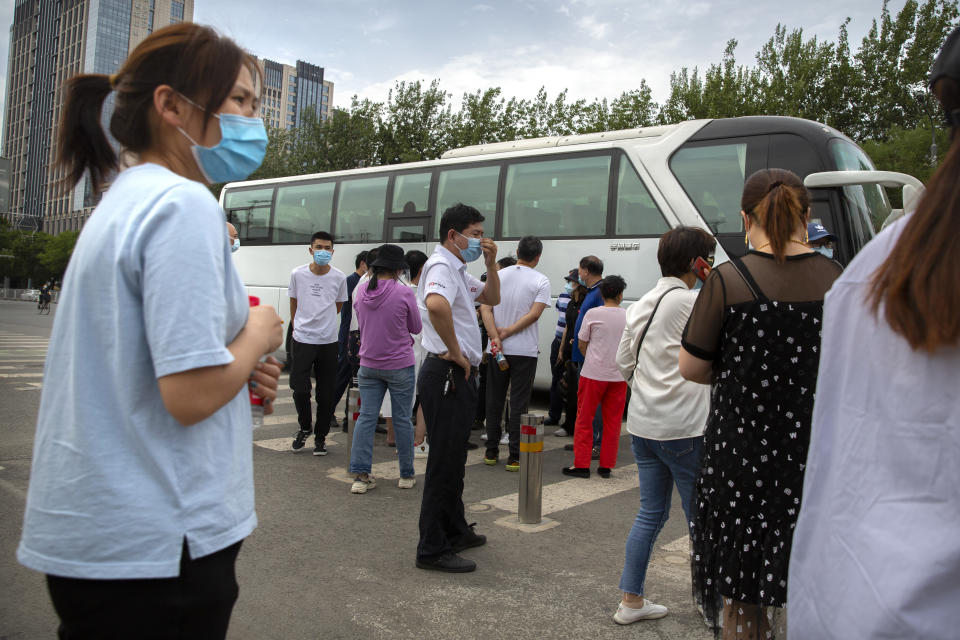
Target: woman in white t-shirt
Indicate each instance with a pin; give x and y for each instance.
(141, 487)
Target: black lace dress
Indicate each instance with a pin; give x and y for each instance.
(761, 328)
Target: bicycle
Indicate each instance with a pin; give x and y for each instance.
(43, 307)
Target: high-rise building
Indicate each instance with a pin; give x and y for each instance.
(289, 91)
(49, 42)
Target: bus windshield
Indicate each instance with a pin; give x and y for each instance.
(868, 204)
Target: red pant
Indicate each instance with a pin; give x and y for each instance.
(611, 396)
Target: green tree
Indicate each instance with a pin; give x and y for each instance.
(415, 123)
(56, 252)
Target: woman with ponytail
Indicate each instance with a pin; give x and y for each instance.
(141, 487)
(877, 547)
(754, 334)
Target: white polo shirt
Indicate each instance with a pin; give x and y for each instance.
(445, 274)
(520, 288)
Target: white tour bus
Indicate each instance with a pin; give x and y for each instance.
(609, 194)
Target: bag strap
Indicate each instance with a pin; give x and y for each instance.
(649, 320)
(748, 279)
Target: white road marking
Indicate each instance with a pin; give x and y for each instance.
(283, 444)
(390, 470)
(31, 386)
(21, 375)
(567, 494)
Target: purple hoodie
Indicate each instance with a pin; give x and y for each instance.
(387, 316)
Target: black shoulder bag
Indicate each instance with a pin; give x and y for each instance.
(647, 326)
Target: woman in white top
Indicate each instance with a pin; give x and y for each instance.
(876, 552)
(667, 414)
(141, 487)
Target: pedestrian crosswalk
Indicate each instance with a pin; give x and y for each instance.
(21, 360)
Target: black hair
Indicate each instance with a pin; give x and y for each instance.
(361, 257)
(415, 260)
(611, 287)
(321, 235)
(592, 264)
(681, 246)
(529, 248)
(506, 261)
(458, 217)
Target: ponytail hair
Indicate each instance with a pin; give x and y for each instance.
(82, 144)
(379, 271)
(777, 200)
(918, 284)
(192, 59)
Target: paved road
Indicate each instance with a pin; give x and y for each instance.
(326, 563)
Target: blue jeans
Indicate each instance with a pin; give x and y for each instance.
(660, 464)
(373, 384)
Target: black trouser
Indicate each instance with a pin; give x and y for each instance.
(448, 419)
(519, 378)
(196, 604)
(556, 393)
(571, 377)
(286, 343)
(322, 360)
(348, 364)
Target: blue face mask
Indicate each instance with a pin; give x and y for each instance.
(322, 257)
(698, 284)
(827, 251)
(473, 250)
(568, 287)
(243, 143)
(235, 245)
(580, 280)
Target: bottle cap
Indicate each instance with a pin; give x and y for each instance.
(254, 301)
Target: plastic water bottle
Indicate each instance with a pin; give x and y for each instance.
(500, 358)
(256, 402)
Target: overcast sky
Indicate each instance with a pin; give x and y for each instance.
(594, 48)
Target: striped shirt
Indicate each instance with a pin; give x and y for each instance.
(562, 300)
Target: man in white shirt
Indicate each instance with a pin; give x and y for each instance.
(317, 292)
(667, 414)
(513, 331)
(448, 382)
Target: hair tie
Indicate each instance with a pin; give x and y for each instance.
(774, 185)
(112, 78)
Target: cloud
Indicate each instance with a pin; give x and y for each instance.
(609, 74)
(695, 10)
(595, 29)
(483, 8)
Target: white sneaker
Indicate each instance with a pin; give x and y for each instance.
(561, 433)
(483, 436)
(421, 451)
(649, 611)
(362, 485)
(505, 438)
(407, 483)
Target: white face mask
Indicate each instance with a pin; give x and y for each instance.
(234, 245)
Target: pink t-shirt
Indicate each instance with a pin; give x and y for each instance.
(602, 327)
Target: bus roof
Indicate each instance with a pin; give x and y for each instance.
(560, 141)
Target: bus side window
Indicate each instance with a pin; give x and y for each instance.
(474, 186)
(360, 210)
(637, 213)
(557, 198)
(301, 210)
(249, 210)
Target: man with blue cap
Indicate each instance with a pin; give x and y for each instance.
(820, 240)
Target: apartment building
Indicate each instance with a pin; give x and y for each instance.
(49, 42)
(288, 91)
